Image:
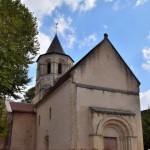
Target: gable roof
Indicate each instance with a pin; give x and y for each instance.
(67, 75)
(98, 45)
(20, 107)
(55, 47)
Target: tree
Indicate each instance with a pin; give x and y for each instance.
(18, 46)
(29, 95)
(146, 128)
(3, 120)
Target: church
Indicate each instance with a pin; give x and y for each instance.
(92, 105)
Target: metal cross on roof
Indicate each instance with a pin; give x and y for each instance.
(56, 26)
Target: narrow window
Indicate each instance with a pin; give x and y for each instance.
(50, 113)
(59, 68)
(39, 120)
(48, 68)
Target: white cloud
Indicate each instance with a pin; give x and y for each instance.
(81, 5)
(146, 66)
(44, 41)
(42, 7)
(91, 38)
(119, 4)
(64, 24)
(74, 5)
(88, 5)
(71, 40)
(88, 41)
(145, 100)
(140, 2)
(65, 29)
(146, 55)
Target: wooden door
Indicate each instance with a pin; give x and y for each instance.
(110, 143)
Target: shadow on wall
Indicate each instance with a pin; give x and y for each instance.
(2, 143)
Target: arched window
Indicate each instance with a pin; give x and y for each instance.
(59, 68)
(48, 68)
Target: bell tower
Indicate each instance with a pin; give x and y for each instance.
(50, 67)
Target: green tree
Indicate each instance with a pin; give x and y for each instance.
(29, 95)
(3, 120)
(146, 128)
(18, 46)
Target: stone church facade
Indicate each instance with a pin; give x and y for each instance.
(91, 105)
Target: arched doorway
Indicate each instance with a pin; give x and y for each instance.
(110, 137)
(116, 133)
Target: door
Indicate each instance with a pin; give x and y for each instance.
(110, 143)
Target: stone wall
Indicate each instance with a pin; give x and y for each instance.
(23, 132)
(56, 120)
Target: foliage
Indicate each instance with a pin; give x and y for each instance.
(18, 46)
(146, 128)
(3, 120)
(29, 95)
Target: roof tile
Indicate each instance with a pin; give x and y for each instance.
(22, 107)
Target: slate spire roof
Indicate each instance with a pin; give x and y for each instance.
(55, 47)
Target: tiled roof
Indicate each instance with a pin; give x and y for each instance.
(22, 107)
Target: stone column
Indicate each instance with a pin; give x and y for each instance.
(133, 142)
(98, 142)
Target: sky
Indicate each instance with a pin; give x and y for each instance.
(82, 24)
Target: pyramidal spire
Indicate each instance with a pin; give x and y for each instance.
(55, 46)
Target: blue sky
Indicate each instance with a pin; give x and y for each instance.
(82, 23)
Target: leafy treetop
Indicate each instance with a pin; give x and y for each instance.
(146, 128)
(29, 95)
(18, 46)
(3, 120)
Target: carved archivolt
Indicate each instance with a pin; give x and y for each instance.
(121, 125)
